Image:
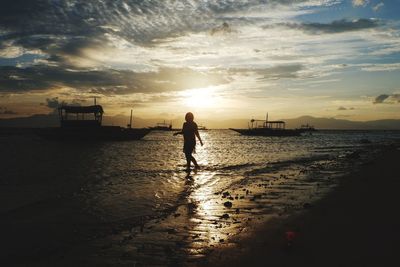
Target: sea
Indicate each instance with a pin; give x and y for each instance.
(136, 195)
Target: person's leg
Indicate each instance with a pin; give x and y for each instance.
(188, 159)
(195, 162)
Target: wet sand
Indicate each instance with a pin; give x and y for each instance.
(357, 224)
(226, 222)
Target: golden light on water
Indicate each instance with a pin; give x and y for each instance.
(207, 218)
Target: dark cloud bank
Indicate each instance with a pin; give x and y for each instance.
(337, 26)
(384, 98)
(40, 77)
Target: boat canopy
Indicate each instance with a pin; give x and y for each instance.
(267, 124)
(80, 116)
(80, 110)
(274, 124)
(275, 121)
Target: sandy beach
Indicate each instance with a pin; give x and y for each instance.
(355, 225)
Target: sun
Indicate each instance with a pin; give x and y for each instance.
(199, 97)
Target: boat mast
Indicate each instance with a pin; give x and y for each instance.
(130, 120)
(95, 103)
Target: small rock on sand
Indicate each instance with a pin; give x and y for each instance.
(172, 231)
(228, 204)
(225, 216)
(225, 194)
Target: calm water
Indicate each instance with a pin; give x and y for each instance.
(144, 181)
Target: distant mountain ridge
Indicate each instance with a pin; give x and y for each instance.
(332, 123)
(51, 120)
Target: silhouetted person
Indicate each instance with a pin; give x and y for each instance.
(190, 131)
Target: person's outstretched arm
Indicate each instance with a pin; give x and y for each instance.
(180, 132)
(198, 136)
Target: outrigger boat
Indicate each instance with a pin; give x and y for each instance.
(162, 126)
(306, 128)
(267, 128)
(83, 123)
(202, 128)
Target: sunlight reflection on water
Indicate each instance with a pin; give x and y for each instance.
(141, 191)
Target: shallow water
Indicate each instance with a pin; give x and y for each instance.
(155, 210)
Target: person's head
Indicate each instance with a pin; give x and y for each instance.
(189, 117)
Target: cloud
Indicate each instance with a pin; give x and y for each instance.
(395, 97)
(360, 2)
(9, 50)
(274, 73)
(380, 98)
(344, 108)
(117, 48)
(54, 103)
(337, 26)
(68, 26)
(378, 6)
(389, 99)
(6, 111)
(107, 82)
(225, 28)
(16, 80)
(381, 67)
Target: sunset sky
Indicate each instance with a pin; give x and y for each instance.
(221, 59)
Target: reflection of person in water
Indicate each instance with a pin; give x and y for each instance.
(190, 131)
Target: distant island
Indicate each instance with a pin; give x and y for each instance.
(51, 120)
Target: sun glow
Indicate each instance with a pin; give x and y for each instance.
(199, 98)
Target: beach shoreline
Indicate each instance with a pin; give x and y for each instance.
(356, 224)
(240, 221)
